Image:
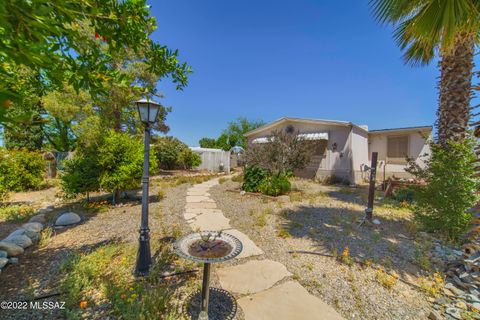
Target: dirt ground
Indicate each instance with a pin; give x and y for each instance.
(352, 266)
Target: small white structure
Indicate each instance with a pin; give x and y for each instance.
(215, 160)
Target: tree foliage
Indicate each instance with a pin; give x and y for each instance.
(233, 135)
(49, 38)
(443, 204)
(450, 29)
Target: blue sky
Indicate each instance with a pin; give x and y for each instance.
(268, 59)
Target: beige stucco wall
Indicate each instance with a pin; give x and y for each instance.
(417, 147)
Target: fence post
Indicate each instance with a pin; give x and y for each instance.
(371, 187)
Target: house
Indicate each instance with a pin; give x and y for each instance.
(343, 149)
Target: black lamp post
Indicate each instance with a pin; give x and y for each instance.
(148, 112)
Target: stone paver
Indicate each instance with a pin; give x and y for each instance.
(286, 301)
(197, 193)
(210, 221)
(200, 205)
(252, 276)
(256, 278)
(249, 247)
(198, 199)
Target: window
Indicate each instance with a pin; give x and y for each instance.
(397, 148)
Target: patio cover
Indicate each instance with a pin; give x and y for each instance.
(301, 136)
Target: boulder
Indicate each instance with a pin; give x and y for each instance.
(15, 233)
(3, 254)
(38, 218)
(3, 262)
(11, 248)
(67, 219)
(35, 227)
(20, 240)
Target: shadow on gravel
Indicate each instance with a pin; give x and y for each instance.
(334, 229)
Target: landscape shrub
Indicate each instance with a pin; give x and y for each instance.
(114, 164)
(121, 159)
(275, 185)
(189, 159)
(81, 173)
(167, 151)
(16, 213)
(20, 170)
(403, 195)
(443, 204)
(252, 177)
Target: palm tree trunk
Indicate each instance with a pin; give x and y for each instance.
(455, 91)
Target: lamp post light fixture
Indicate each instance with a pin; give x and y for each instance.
(148, 111)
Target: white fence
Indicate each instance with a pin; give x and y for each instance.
(214, 160)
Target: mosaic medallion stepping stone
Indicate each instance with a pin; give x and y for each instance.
(249, 247)
(285, 302)
(252, 277)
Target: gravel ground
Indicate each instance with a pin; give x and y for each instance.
(37, 272)
(325, 220)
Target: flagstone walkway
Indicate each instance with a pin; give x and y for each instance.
(256, 281)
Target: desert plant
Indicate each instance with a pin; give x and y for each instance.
(442, 204)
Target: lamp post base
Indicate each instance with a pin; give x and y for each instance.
(144, 258)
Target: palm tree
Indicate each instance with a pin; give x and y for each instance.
(449, 29)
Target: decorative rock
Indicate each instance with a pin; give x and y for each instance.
(3, 254)
(3, 262)
(18, 232)
(461, 305)
(20, 240)
(11, 248)
(252, 277)
(13, 260)
(454, 312)
(38, 218)
(454, 289)
(434, 315)
(67, 219)
(33, 227)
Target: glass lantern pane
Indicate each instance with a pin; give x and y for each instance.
(153, 113)
(143, 111)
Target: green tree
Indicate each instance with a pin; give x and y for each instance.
(442, 205)
(208, 143)
(424, 28)
(47, 36)
(82, 173)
